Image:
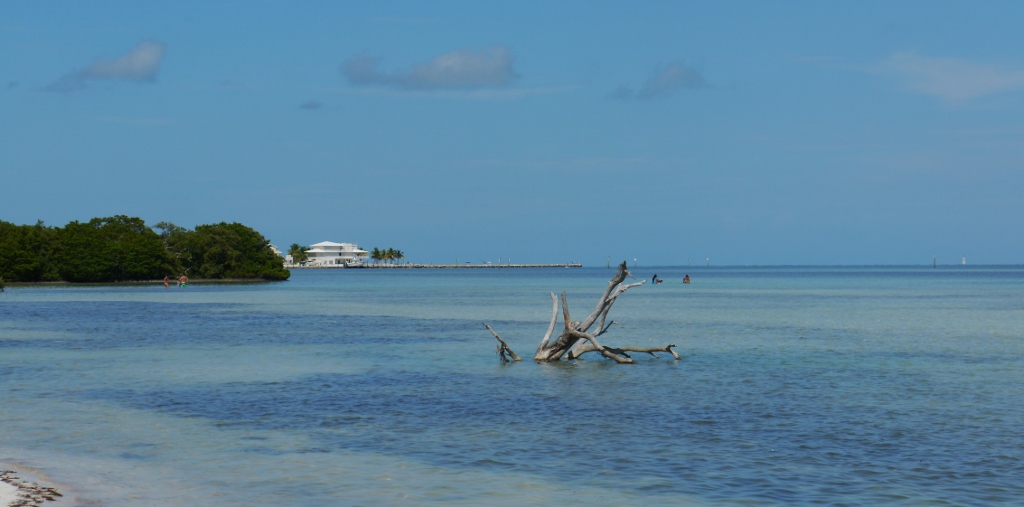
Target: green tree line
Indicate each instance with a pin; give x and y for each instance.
(122, 248)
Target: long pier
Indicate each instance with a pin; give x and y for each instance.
(442, 266)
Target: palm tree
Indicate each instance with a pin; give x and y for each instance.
(376, 255)
(390, 254)
(399, 255)
(298, 252)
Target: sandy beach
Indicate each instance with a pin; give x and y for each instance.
(8, 494)
(25, 487)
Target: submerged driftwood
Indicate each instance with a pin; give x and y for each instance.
(575, 339)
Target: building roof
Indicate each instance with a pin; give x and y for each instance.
(327, 243)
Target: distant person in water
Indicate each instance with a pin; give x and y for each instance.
(166, 280)
(654, 279)
(183, 281)
(686, 279)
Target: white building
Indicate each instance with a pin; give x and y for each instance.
(327, 253)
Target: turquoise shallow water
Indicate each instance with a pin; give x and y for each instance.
(798, 386)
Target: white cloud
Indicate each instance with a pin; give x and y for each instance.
(663, 82)
(949, 78)
(139, 65)
(489, 68)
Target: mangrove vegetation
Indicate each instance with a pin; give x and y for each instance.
(122, 248)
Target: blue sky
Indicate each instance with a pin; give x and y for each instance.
(747, 132)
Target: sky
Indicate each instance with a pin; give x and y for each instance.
(729, 133)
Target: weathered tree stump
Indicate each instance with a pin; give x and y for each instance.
(575, 340)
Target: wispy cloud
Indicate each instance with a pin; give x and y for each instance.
(311, 105)
(665, 81)
(139, 65)
(460, 94)
(951, 79)
(488, 68)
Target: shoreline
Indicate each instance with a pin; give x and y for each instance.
(138, 282)
(26, 488)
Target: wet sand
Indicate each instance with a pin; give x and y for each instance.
(22, 486)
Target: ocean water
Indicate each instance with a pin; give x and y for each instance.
(797, 386)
